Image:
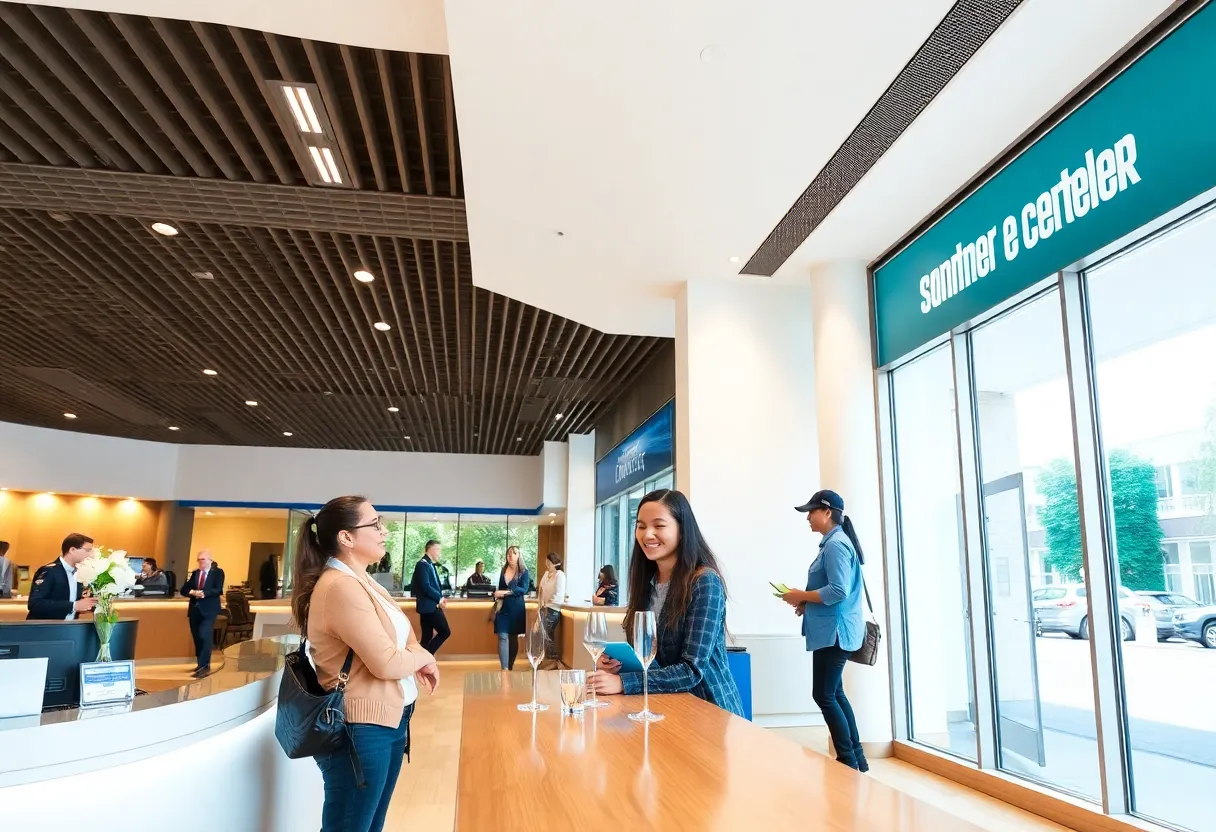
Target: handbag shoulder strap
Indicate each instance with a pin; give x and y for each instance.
(864, 587)
(344, 675)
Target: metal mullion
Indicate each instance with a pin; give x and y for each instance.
(1097, 552)
(890, 512)
(983, 680)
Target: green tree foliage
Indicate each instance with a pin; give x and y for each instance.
(1138, 534)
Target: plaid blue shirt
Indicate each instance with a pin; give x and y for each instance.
(692, 654)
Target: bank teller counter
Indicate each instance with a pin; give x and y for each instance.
(471, 621)
(570, 633)
(222, 725)
(164, 631)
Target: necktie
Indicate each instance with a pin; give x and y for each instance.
(201, 575)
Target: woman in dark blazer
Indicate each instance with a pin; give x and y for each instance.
(511, 620)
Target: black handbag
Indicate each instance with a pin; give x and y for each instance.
(867, 654)
(311, 721)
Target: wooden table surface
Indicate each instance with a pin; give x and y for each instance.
(699, 769)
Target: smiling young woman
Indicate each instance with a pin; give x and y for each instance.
(674, 574)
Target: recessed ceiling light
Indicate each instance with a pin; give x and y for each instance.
(382, 326)
(558, 417)
(328, 393)
(59, 216)
(327, 167)
(300, 104)
(287, 433)
(174, 427)
(163, 228)
(204, 275)
(406, 437)
(519, 439)
(210, 373)
(251, 403)
(208, 513)
(553, 514)
(5, 488)
(734, 259)
(364, 276)
(394, 409)
(69, 415)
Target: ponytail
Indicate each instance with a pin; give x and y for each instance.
(847, 526)
(316, 543)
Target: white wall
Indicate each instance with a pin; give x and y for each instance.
(37, 459)
(580, 518)
(555, 475)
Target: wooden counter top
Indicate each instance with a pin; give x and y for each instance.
(699, 769)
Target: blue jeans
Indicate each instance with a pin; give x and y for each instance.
(827, 689)
(381, 750)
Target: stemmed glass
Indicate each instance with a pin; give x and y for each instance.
(536, 639)
(645, 645)
(595, 639)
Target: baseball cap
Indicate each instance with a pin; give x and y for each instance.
(822, 499)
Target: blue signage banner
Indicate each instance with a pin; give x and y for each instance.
(1141, 146)
(642, 455)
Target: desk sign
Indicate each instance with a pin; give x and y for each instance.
(104, 682)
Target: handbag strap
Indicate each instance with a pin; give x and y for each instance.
(865, 588)
(344, 675)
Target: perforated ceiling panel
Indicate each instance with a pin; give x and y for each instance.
(961, 33)
(109, 123)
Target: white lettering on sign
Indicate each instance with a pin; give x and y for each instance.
(1103, 177)
(631, 461)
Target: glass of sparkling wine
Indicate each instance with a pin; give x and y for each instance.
(595, 639)
(645, 645)
(536, 639)
(574, 690)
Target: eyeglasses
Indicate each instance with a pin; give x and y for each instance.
(377, 524)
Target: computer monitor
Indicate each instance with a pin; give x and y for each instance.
(136, 564)
(65, 645)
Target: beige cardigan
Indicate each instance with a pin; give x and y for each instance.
(343, 615)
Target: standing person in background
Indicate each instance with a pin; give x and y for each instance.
(832, 619)
(204, 588)
(607, 593)
(429, 600)
(341, 611)
(6, 572)
(511, 619)
(268, 577)
(55, 595)
(551, 597)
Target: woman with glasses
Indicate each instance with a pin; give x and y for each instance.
(340, 610)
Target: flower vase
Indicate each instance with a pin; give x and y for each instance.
(104, 619)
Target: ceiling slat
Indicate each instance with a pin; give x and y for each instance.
(321, 72)
(420, 114)
(365, 116)
(385, 69)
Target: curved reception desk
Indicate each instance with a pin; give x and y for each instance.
(191, 757)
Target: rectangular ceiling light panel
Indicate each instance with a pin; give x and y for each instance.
(305, 120)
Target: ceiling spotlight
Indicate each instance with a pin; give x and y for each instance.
(382, 326)
(406, 437)
(210, 373)
(208, 513)
(203, 275)
(364, 276)
(558, 417)
(553, 514)
(251, 403)
(394, 409)
(287, 433)
(69, 415)
(164, 229)
(734, 259)
(174, 427)
(519, 439)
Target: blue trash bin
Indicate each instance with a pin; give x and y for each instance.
(740, 663)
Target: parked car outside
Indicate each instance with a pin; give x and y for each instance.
(1164, 604)
(1197, 623)
(1063, 609)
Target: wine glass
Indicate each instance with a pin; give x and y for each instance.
(536, 639)
(645, 645)
(595, 639)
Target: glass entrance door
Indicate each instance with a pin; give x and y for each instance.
(1013, 620)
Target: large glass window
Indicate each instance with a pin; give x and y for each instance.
(934, 574)
(1044, 685)
(1153, 320)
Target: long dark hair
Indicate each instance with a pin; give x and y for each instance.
(609, 574)
(317, 542)
(521, 568)
(693, 556)
(555, 559)
(846, 525)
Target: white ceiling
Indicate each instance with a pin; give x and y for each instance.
(663, 139)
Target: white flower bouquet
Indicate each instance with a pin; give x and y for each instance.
(107, 575)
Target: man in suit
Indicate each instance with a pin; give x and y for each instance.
(204, 588)
(429, 600)
(6, 572)
(268, 577)
(54, 594)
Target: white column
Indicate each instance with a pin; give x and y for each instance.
(580, 518)
(848, 455)
(745, 456)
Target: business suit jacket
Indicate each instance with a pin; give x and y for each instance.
(50, 594)
(209, 605)
(6, 577)
(425, 588)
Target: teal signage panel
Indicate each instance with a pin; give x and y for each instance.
(1142, 146)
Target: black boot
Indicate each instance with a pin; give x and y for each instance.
(860, 757)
